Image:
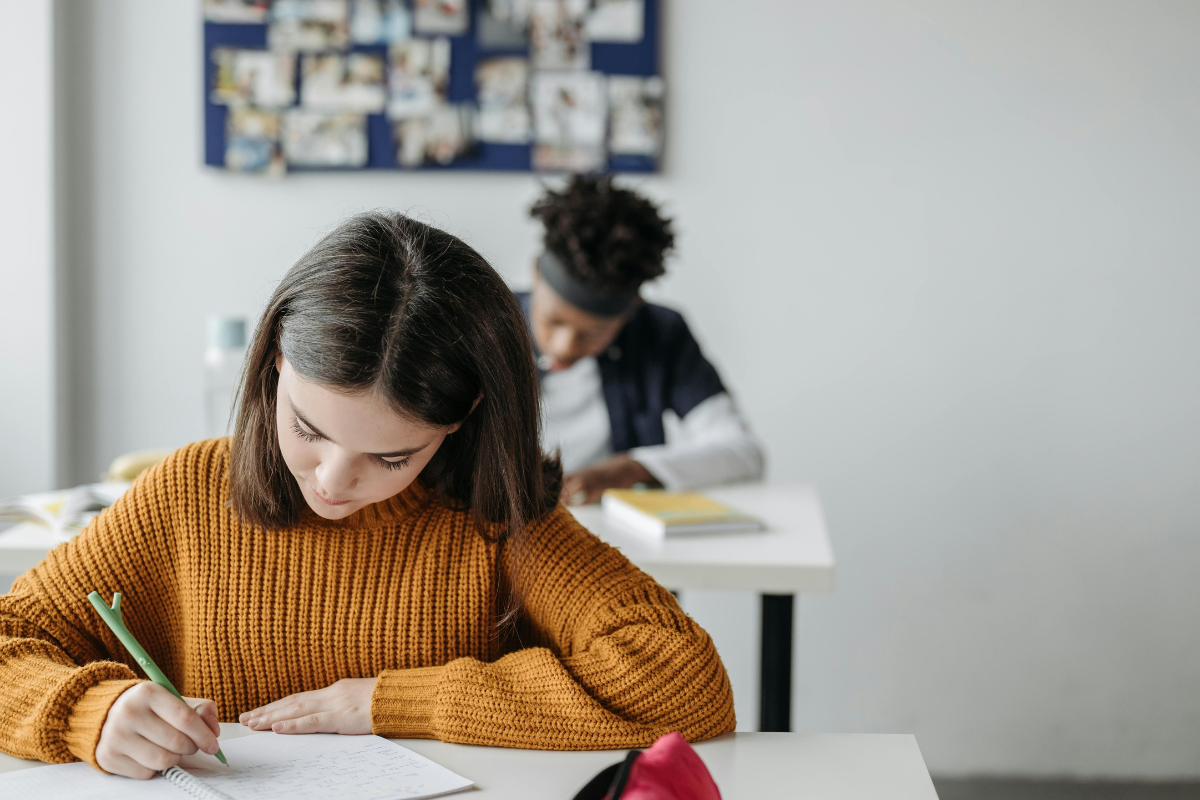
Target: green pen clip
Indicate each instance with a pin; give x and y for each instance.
(112, 618)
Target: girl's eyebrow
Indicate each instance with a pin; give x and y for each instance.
(408, 451)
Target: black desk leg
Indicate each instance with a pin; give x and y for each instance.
(775, 695)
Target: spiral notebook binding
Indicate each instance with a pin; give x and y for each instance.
(193, 785)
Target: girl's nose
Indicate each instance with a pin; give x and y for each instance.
(336, 476)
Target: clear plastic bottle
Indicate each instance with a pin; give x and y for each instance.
(222, 369)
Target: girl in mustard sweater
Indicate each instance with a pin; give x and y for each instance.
(378, 548)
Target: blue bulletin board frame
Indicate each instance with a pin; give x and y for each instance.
(611, 58)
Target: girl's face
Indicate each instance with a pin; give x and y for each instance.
(347, 451)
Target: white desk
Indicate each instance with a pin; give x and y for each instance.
(22, 546)
(761, 766)
(792, 556)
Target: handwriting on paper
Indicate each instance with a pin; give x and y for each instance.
(312, 767)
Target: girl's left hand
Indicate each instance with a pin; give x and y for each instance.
(344, 707)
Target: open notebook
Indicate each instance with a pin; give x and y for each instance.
(261, 767)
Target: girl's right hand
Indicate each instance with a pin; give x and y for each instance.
(148, 729)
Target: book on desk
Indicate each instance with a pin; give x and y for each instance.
(661, 513)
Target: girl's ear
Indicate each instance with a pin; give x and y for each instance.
(458, 425)
(279, 362)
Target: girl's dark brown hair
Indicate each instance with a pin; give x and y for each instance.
(389, 304)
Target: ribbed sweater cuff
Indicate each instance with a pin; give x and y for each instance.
(87, 718)
(404, 702)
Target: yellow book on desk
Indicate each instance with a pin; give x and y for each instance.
(661, 513)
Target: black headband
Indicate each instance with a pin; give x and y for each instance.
(585, 296)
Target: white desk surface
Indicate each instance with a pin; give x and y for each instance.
(22, 546)
(763, 766)
(793, 556)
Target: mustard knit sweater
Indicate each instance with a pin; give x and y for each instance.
(403, 590)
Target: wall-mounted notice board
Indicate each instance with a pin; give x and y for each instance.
(545, 85)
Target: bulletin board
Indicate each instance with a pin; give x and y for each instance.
(254, 125)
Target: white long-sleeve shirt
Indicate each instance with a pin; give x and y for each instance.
(715, 444)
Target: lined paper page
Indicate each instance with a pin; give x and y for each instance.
(322, 766)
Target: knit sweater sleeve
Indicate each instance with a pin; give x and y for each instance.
(614, 663)
(60, 667)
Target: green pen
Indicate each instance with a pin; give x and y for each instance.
(112, 618)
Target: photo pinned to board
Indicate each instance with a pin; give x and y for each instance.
(635, 115)
(308, 25)
(616, 21)
(252, 141)
(239, 11)
(418, 76)
(556, 35)
(569, 119)
(440, 17)
(253, 77)
(510, 12)
(503, 103)
(440, 137)
(337, 82)
(503, 25)
(558, 157)
(376, 22)
(324, 139)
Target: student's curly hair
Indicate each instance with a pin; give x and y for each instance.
(605, 235)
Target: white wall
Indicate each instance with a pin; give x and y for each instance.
(946, 254)
(27, 268)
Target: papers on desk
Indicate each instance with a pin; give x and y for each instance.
(263, 766)
(64, 513)
(661, 513)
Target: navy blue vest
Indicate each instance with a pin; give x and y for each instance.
(654, 364)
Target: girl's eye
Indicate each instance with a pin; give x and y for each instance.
(309, 436)
(303, 434)
(401, 464)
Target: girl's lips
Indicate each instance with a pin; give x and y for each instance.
(328, 502)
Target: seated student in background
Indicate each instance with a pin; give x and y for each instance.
(379, 548)
(611, 363)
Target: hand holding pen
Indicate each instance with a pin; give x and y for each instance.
(148, 728)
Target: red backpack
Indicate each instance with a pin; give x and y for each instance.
(669, 770)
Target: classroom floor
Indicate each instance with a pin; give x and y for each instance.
(1018, 789)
